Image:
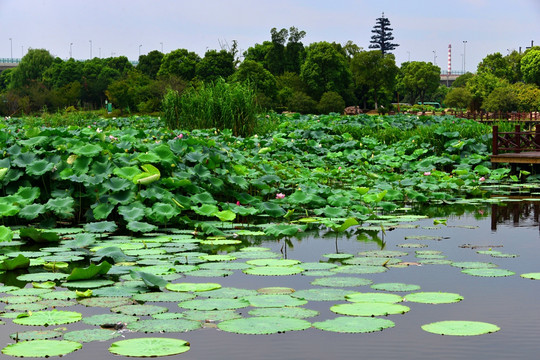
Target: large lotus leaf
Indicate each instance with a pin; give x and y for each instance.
(164, 297)
(238, 181)
(89, 150)
(80, 164)
(322, 294)
(36, 335)
(108, 320)
(290, 312)
(150, 175)
(193, 286)
(35, 141)
(214, 304)
(374, 297)
(112, 254)
(273, 270)
(488, 272)
(226, 215)
(299, 197)
(211, 315)
(132, 212)
(105, 302)
(317, 266)
(332, 212)
(89, 272)
(164, 153)
(27, 195)
(39, 167)
(139, 310)
(48, 318)
(228, 293)
(162, 212)
(30, 212)
(148, 158)
(359, 324)
(271, 209)
(38, 235)
(20, 262)
(341, 281)
(369, 309)
(87, 284)
(263, 325)
(62, 206)
(359, 269)
(532, 276)
(24, 159)
(280, 230)
(149, 347)
(115, 184)
(89, 335)
(41, 348)
(473, 265)
(139, 226)
(460, 328)
(383, 253)
(100, 227)
(275, 300)
(102, 211)
(8, 209)
(42, 276)
(150, 280)
(128, 172)
(395, 287)
(206, 210)
(164, 325)
(6, 234)
(433, 297)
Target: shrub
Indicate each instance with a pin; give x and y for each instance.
(302, 103)
(331, 101)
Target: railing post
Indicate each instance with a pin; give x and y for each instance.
(495, 140)
(518, 138)
(537, 138)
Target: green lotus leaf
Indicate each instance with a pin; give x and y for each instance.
(273, 270)
(203, 198)
(226, 215)
(206, 210)
(39, 167)
(8, 209)
(62, 206)
(115, 184)
(228, 293)
(532, 276)
(48, 318)
(149, 347)
(19, 299)
(284, 229)
(59, 295)
(399, 287)
(317, 266)
(45, 276)
(32, 211)
(24, 159)
(374, 297)
(44, 285)
(3, 172)
(272, 209)
(27, 195)
(41, 348)
(357, 324)
(6, 234)
(148, 158)
(383, 253)
(263, 325)
(211, 315)
(89, 150)
(89, 272)
(273, 262)
(322, 294)
(20, 262)
(139, 310)
(164, 325)
(275, 300)
(139, 226)
(127, 172)
(473, 265)
(108, 320)
(460, 328)
(134, 212)
(488, 272)
(100, 227)
(162, 212)
(217, 258)
(220, 242)
(38, 235)
(193, 287)
(151, 280)
(150, 175)
(371, 261)
(433, 297)
(112, 254)
(238, 181)
(275, 290)
(214, 304)
(36, 335)
(87, 284)
(369, 309)
(359, 269)
(289, 312)
(338, 256)
(89, 335)
(80, 241)
(105, 302)
(164, 296)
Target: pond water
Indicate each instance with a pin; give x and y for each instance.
(512, 302)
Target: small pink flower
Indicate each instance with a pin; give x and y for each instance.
(481, 212)
(339, 168)
(280, 196)
(482, 179)
(238, 203)
(112, 138)
(427, 173)
(179, 136)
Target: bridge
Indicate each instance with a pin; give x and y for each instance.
(449, 78)
(8, 63)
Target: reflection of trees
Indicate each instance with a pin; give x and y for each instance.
(522, 213)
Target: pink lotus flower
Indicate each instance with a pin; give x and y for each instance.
(482, 179)
(280, 196)
(427, 173)
(179, 136)
(339, 168)
(238, 203)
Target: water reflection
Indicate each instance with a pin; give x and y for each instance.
(517, 214)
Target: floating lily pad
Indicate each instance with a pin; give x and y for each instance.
(254, 254)
(89, 335)
(460, 328)
(434, 262)
(272, 262)
(149, 347)
(224, 266)
(273, 270)
(263, 325)
(318, 273)
(473, 265)
(433, 297)
(193, 287)
(214, 304)
(36, 335)
(211, 315)
(374, 297)
(371, 261)
(164, 325)
(168, 315)
(164, 297)
(423, 237)
(228, 293)
(411, 245)
(139, 310)
(322, 294)
(220, 242)
(209, 273)
(532, 276)
(41, 348)
(48, 318)
(341, 281)
(274, 300)
(117, 291)
(359, 269)
(25, 307)
(23, 299)
(399, 287)
(337, 256)
(59, 295)
(57, 303)
(109, 319)
(217, 257)
(357, 324)
(87, 284)
(46, 276)
(488, 272)
(317, 266)
(383, 253)
(105, 302)
(291, 312)
(369, 309)
(275, 290)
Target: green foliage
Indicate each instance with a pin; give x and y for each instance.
(149, 64)
(458, 97)
(420, 78)
(530, 66)
(302, 103)
(382, 36)
(181, 62)
(331, 101)
(374, 74)
(502, 98)
(253, 74)
(32, 67)
(461, 80)
(215, 65)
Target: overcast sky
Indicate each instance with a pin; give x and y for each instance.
(423, 28)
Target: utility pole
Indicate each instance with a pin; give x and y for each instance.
(464, 48)
(11, 47)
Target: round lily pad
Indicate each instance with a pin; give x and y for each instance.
(89, 335)
(357, 324)
(263, 325)
(228, 293)
(473, 264)
(291, 312)
(25, 307)
(273, 270)
(209, 273)
(164, 296)
(341, 281)
(214, 304)
(30, 291)
(163, 325)
(488, 272)
(149, 347)
(255, 254)
(220, 242)
(211, 315)
(272, 262)
(383, 253)
(45, 276)
(317, 266)
(168, 315)
(87, 284)
(274, 300)
(109, 319)
(224, 266)
(433, 297)
(48, 318)
(359, 269)
(275, 290)
(374, 297)
(36, 335)
(105, 302)
(369, 309)
(371, 261)
(59, 295)
(411, 245)
(338, 256)
(460, 328)
(395, 287)
(434, 262)
(322, 294)
(41, 348)
(318, 273)
(532, 276)
(19, 299)
(139, 310)
(217, 257)
(192, 286)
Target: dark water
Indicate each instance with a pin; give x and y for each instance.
(512, 303)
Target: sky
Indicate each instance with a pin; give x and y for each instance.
(422, 28)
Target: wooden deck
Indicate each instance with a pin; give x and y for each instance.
(516, 147)
(529, 157)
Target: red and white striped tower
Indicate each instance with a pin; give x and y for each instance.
(449, 58)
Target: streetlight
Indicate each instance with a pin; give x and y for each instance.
(70, 50)
(140, 50)
(11, 47)
(462, 68)
(161, 46)
(90, 49)
(464, 46)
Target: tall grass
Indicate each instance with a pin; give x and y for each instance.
(218, 105)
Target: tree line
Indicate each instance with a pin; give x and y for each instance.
(286, 75)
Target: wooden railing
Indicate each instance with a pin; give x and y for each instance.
(496, 116)
(515, 141)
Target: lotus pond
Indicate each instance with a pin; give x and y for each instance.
(327, 238)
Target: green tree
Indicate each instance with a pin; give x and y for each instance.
(258, 78)
(480, 87)
(325, 69)
(120, 64)
(382, 36)
(496, 65)
(302, 103)
(331, 101)
(420, 78)
(215, 64)
(294, 51)
(530, 66)
(374, 73)
(275, 58)
(149, 64)
(458, 97)
(502, 98)
(527, 96)
(258, 53)
(5, 78)
(461, 80)
(126, 93)
(181, 62)
(62, 73)
(32, 67)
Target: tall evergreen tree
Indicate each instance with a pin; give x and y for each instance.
(382, 36)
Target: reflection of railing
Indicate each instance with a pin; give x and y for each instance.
(10, 60)
(523, 213)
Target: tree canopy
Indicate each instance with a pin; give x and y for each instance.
(382, 36)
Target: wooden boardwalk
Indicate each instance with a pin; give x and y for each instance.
(516, 147)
